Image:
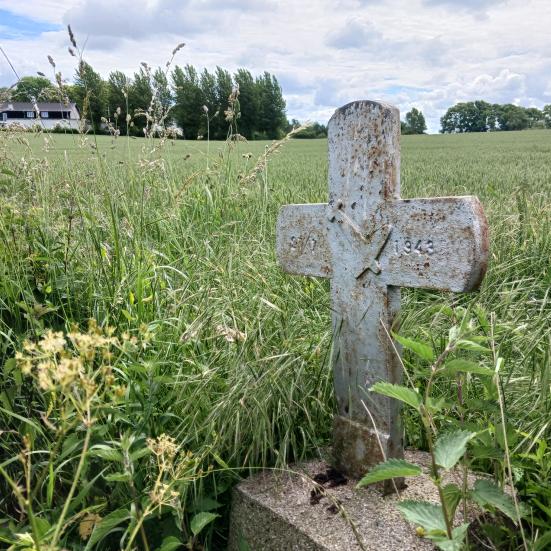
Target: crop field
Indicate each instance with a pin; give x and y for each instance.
(202, 345)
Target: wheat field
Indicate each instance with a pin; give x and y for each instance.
(176, 241)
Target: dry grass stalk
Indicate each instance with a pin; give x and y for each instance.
(272, 149)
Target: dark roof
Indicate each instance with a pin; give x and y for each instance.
(42, 106)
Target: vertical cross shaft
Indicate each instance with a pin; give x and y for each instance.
(364, 172)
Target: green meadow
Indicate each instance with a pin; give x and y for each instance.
(172, 245)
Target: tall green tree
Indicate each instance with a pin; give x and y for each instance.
(161, 88)
(248, 103)
(535, 117)
(188, 112)
(210, 101)
(480, 116)
(512, 117)
(415, 122)
(224, 87)
(5, 93)
(314, 131)
(271, 112)
(118, 90)
(34, 89)
(546, 112)
(139, 99)
(90, 93)
(472, 116)
(259, 110)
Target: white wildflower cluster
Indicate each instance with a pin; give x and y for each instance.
(173, 467)
(76, 363)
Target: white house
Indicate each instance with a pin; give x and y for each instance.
(48, 115)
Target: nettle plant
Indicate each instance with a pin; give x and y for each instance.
(458, 430)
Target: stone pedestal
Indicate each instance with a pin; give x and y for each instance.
(284, 511)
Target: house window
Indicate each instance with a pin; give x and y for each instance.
(3, 117)
(44, 114)
(30, 114)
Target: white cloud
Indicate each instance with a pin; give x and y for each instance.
(137, 20)
(357, 34)
(423, 53)
(475, 5)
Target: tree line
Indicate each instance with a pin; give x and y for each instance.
(208, 104)
(201, 104)
(198, 103)
(480, 116)
(414, 123)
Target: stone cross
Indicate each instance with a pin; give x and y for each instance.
(370, 242)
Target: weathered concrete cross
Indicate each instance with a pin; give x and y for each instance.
(370, 243)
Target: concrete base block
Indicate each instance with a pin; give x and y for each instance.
(288, 511)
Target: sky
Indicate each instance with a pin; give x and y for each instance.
(428, 54)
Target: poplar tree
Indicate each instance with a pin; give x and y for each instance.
(188, 112)
(247, 103)
(90, 93)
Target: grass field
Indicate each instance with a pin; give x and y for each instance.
(175, 245)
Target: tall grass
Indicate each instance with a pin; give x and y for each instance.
(237, 368)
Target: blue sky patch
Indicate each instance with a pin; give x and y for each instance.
(13, 27)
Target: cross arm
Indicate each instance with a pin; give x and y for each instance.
(439, 243)
(302, 245)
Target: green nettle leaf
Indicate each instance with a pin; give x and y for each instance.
(464, 366)
(457, 543)
(486, 452)
(392, 468)
(510, 432)
(200, 520)
(454, 333)
(106, 525)
(486, 493)
(450, 447)
(422, 349)
(170, 543)
(452, 497)
(42, 526)
(450, 545)
(460, 532)
(138, 454)
(398, 392)
(205, 503)
(118, 477)
(9, 365)
(106, 452)
(424, 514)
(437, 404)
(465, 344)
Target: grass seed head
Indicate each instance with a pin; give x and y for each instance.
(71, 36)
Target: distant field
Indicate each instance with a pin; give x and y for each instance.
(179, 241)
(516, 158)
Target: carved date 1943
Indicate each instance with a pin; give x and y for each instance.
(409, 246)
